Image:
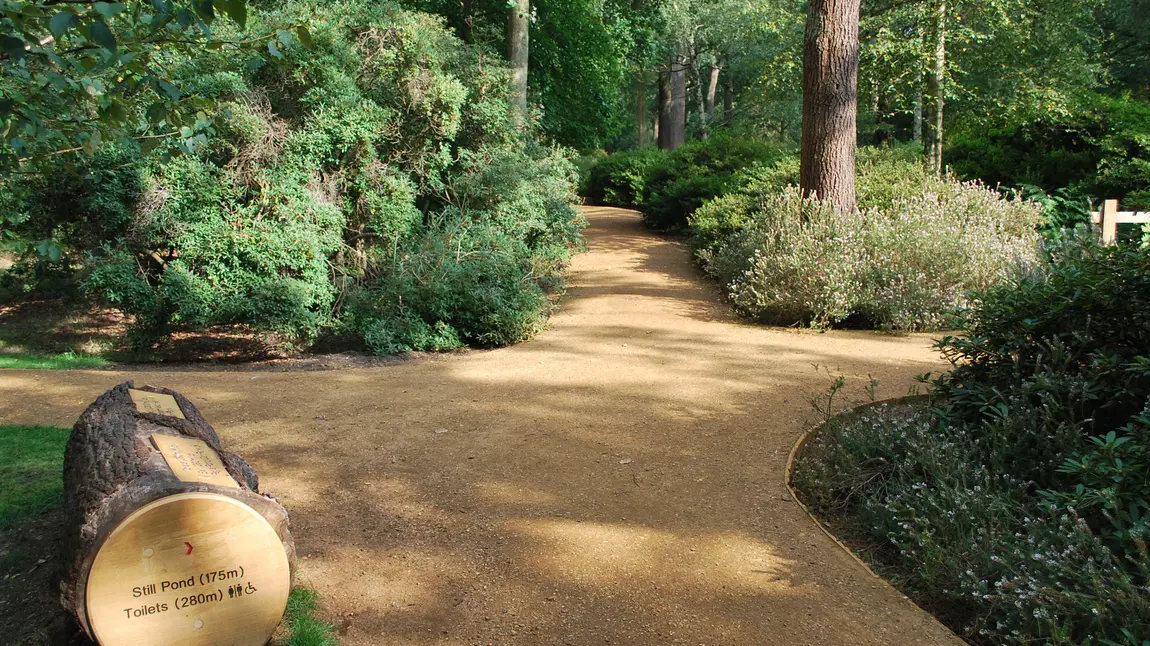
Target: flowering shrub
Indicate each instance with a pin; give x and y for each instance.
(996, 562)
(905, 265)
(1017, 502)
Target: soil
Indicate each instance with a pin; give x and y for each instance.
(618, 480)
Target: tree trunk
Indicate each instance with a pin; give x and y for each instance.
(712, 93)
(830, 101)
(917, 132)
(641, 109)
(518, 47)
(664, 110)
(728, 100)
(936, 91)
(142, 480)
(673, 107)
(701, 101)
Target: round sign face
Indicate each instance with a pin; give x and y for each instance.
(190, 569)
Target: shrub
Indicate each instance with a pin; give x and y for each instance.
(619, 179)
(377, 168)
(1102, 152)
(682, 181)
(477, 274)
(1016, 500)
(903, 266)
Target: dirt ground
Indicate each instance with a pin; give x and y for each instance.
(619, 480)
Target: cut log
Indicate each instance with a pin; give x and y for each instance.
(168, 539)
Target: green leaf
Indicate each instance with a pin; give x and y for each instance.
(254, 64)
(237, 10)
(273, 50)
(156, 113)
(205, 9)
(61, 23)
(14, 47)
(171, 90)
(117, 113)
(304, 36)
(102, 35)
(186, 132)
(109, 9)
(93, 142)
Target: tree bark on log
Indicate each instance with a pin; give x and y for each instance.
(112, 468)
(830, 101)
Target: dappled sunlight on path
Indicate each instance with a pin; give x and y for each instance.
(617, 480)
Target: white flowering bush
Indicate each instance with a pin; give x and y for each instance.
(904, 260)
(998, 563)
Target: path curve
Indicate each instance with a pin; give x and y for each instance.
(616, 481)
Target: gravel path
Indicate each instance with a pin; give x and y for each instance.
(619, 480)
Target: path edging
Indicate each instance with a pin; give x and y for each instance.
(809, 434)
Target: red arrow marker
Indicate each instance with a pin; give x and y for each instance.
(189, 546)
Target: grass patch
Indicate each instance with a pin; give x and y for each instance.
(303, 627)
(66, 361)
(31, 467)
(31, 482)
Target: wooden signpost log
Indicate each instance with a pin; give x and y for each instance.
(168, 540)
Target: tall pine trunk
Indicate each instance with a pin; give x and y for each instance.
(935, 98)
(830, 101)
(673, 105)
(518, 47)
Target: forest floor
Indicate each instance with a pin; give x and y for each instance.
(618, 480)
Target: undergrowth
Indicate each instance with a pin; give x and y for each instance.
(1014, 502)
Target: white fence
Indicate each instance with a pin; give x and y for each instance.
(1110, 217)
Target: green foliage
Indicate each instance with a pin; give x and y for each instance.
(76, 74)
(619, 179)
(1017, 499)
(476, 276)
(65, 361)
(904, 261)
(368, 163)
(1062, 211)
(699, 171)
(31, 460)
(718, 219)
(303, 627)
(1064, 346)
(1102, 151)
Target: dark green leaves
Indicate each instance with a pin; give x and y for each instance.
(237, 10)
(62, 22)
(304, 36)
(13, 47)
(102, 36)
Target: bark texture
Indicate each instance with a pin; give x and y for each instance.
(936, 90)
(518, 48)
(830, 101)
(673, 106)
(111, 469)
(712, 90)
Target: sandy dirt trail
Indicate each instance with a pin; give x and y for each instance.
(619, 480)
